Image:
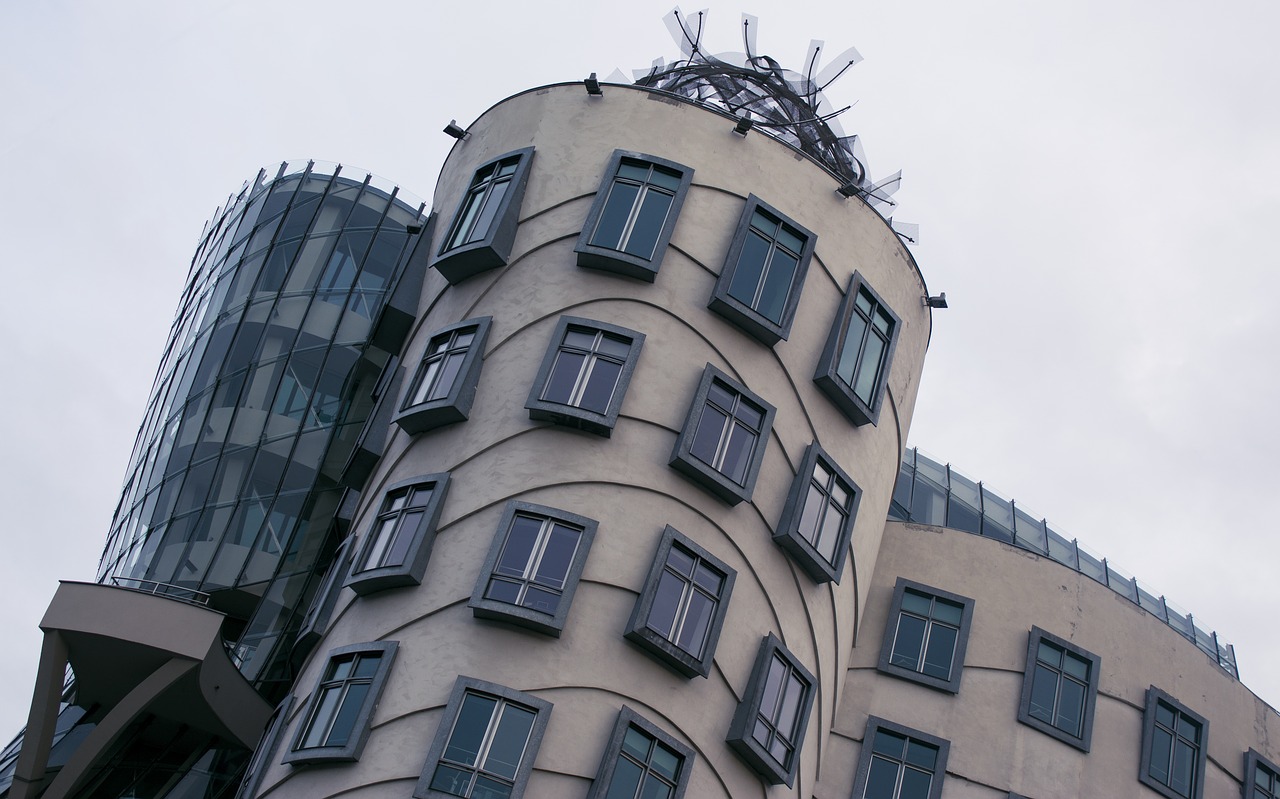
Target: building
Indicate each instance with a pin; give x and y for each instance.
(576, 487)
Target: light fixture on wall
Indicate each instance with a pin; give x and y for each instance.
(744, 125)
(456, 132)
(593, 86)
(939, 301)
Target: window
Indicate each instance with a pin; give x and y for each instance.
(256, 769)
(723, 439)
(631, 221)
(642, 762)
(817, 521)
(1059, 689)
(486, 743)
(398, 544)
(1174, 742)
(679, 613)
(324, 602)
(855, 362)
(926, 635)
(584, 375)
(769, 725)
(533, 567)
(444, 386)
(1261, 777)
(484, 228)
(336, 722)
(759, 286)
(898, 762)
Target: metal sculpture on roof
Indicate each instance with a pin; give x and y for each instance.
(762, 94)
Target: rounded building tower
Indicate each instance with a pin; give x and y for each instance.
(647, 427)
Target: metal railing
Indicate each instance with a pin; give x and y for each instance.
(181, 593)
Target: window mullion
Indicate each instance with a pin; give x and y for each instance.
(636, 206)
(490, 732)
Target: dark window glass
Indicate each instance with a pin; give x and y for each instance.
(826, 510)
(586, 369)
(727, 432)
(866, 342)
(1059, 686)
(686, 600)
(534, 563)
(1175, 749)
(485, 748)
(766, 267)
(636, 210)
(1262, 777)
(926, 635)
(484, 198)
(336, 721)
(768, 727)
(899, 763)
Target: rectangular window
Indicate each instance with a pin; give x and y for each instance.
(642, 762)
(1174, 743)
(817, 521)
(1261, 776)
(584, 375)
(486, 743)
(1059, 689)
(926, 635)
(680, 611)
(336, 722)
(444, 386)
(484, 226)
(769, 725)
(398, 544)
(533, 567)
(898, 762)
(634, 214)
(723, 439)
(854, 366)
(763, 274)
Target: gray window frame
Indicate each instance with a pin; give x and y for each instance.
(740, 738)
(1156, 697)
(665, 650)
(595, 256)
(422, 537)
(455, 406)
(548, 623)
(271, 735)
(704, 474)
(788, 535)
(1083, 741)
(951, 685)
(874, 725)
(349, 751)
(628, 718)
(493, 250)
(601, 424)
(743, 315)
(461, 687)
(1253, 760)
(827, 376)
(325, 601)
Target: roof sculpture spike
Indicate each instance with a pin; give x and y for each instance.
(786, 104)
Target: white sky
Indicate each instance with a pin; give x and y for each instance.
(1093, 181)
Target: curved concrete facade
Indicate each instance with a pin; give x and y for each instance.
(991, 753)
(624, 482)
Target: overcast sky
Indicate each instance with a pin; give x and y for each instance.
(1093, 180)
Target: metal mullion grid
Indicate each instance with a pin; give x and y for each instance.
(767, 266)
(726, 432)
(346, 684)
(646, 186)
(485, 189)
(451, 347)
(929, 622)
(482, 753)
(646, 767)
(535, 558)
(1061, 675)
(391, 512)
(828, 500)
(902, 765)
(771, 722)
(1176, 735)
(686, 596)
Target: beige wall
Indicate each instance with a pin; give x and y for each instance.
(991, 753)
(624, 482)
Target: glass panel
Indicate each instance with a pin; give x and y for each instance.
(921, 754)
(942, 646)
(709, 579)
(737, 455)
(600, 386)
(469, 729)
(869, 369)
(679, 561)
(613, 219)
(908, 643)
(636, 743)
(666, 601)
(706, 438)
(491, 206)
(772, 687)
(882, 779)
(1184, 759)
(541, 599)
(488, 788)
(696, 621)
(777, 286)
(563, 377)
(1161, 744)
(648, 224)
(450, 780)
(916, 602)
(1070, 707)
(889, 743)
(948, 612)
(666, 762)
(448, 375)
(1044, 688)
(508, 742)
(1076, 667)
(320, 719)
(345, 722)
(407, 530)
(503, 591)
(665, 178)
(626, 779)
(749, 270)
(851, 349)
(915, 784)
(518, 549)
(557, 556)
